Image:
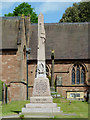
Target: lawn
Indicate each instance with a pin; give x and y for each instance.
(77, 107)
(0, 108)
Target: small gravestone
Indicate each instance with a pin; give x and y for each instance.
(41, 100)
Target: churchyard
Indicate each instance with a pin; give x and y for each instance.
(77, 109)
(42, 103)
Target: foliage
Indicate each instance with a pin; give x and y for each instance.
(49, 77)
(24, 8)
(79, 12)
(21, 116)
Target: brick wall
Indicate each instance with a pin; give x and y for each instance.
(16, 91)
(63, 70)
(11, 72)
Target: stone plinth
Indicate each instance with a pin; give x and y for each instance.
(40, 110)
(41, 105)
(41, 100)
(41, 87)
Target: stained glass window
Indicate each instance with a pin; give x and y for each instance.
(73, 76)
(82, 75)
(78, 75)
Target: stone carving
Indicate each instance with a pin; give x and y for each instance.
(41, 96)
(40, 69)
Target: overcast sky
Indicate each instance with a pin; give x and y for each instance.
(52, 11)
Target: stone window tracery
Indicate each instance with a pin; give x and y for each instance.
(78, 74)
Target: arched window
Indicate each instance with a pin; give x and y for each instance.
(82, 75)
(78, 75)
(73, 76)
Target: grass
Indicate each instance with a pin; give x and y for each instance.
(13, 108)
(0, 108)
(78, 107)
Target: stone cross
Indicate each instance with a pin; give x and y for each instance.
(41, 69)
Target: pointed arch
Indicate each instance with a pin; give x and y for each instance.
(82, 75)
(73, 75)
(78, 75)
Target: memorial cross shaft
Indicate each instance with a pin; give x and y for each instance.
(41, 68)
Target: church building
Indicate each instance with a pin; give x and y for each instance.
(70, 42)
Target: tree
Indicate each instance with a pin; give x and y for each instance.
(79, 12)
(24, 8)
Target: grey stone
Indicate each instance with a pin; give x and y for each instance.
(40, 110)
(41, 105)
(41, 100)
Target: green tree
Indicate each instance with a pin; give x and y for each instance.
(79, 12)
(24, 8)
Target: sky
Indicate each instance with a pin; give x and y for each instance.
(52, 11)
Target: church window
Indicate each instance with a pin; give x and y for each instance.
(73, 76)
(78, 74)
(82, 75)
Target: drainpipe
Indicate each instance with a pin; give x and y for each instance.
(52, 72)
(27, 52)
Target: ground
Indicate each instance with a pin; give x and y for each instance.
(75, 109)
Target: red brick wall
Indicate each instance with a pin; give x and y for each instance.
(63, 70)
(17, 91)
(63, 90)
(10, 67)
(11, 72)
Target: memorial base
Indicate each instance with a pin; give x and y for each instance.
(41, 108)
(41, 99)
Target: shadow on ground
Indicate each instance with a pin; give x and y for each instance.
(16, 111)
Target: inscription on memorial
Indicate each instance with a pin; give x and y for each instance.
(41, 87)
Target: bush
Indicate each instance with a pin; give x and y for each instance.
(21, 116)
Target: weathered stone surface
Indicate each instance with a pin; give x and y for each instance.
(43, 99)
(41, 105)
(40, 110)
(41, 87)
(41, 69)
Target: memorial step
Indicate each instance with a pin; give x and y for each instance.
(41, 105)
(40, 110)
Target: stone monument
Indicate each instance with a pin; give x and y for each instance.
(41, 100)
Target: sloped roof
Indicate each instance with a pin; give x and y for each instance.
(10, 32)
(69, 40)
